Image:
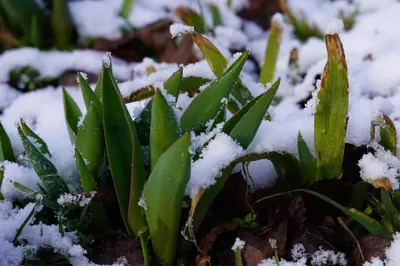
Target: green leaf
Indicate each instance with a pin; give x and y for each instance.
(1, 182)
(61, 23)
(367, 222)
(164, 193)
(19, 14)
(388, 135)
(46, 171)
(213, 56)
(36, 38)
(174, 83)
(307, 162)
(360, 195)
(271, 53)
(140, 95)
(89, 96)
(72, 115)
(164, 129)
(89, 184)
(330, 121)
(90, 140)
(216, 15)
(142, 124)
(246, 128)
(124, 154)
(220, 118)
(191, 18)
(388, 205)
(126, 8)
(30, 134)
(192, 84)
(6, 151)
(207, 104)
(218, 63)
(87, 179)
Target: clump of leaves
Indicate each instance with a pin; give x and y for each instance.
(28, 78)
(25, 24)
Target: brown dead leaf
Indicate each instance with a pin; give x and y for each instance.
(208, 240)
(372, 246)
(260, 11)
(251, 255)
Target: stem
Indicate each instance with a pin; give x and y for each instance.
(238, 257)
(276, 258)
(19, 230)
(145, 250)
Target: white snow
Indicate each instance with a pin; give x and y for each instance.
(177, 29)
(239, 244)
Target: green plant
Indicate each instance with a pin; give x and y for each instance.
(24, 21)
(247, 222)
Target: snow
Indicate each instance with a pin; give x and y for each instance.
(372, 56)
(380, 165)
(177, 29)
(239, 244)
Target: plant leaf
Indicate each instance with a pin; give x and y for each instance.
(61, 23)
(330, 121)
(206, 106)
(126, 8)
(89, 96)
(89, 184)
(213, 56)
(367, 222)
(6, 151)
(142, 124)
(271, 53)
(46, 171)
(174, 83)
(360, 195)
(124, 154)
(388, 135)
(164, 129)
(90, 140)
(307, 162)
(164, 193)
(36, 38)
(191, 18)
(30, 134)
(216, 15)
(246, 128)
(72, 115)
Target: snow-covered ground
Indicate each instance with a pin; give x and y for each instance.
(372, 51)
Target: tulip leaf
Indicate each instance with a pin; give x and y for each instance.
(142, 124)
(246, 128)
(36, 38)
(90, 140)
(164, 129)
(89, 184)
(6, 151)
(216, 15)
(61, 23)
(89, 97)
(207, 104)
(34, 137)
(46, 171)
(191, 18)
(72, 115)
(271, 53)
(330, 121)
(164, 193)
(174, 83)
(307, 162)
(126, 8)
(124, 153)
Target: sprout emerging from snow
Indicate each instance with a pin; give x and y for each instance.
(106, 59)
